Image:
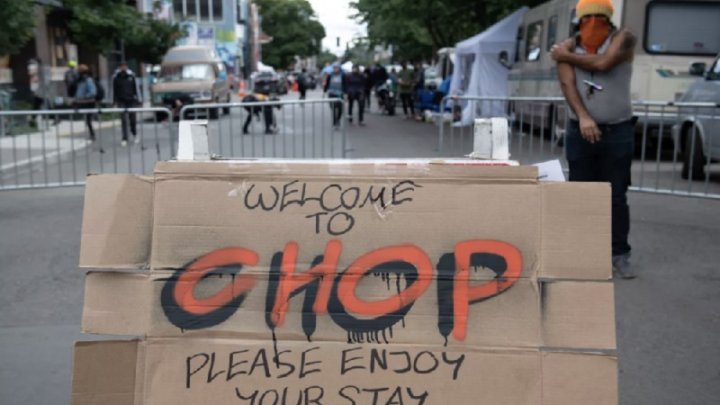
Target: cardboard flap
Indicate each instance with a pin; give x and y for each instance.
(576, 231)
(574, 378)
(116, 303)
(108, 372)
(578, 314)
(117, 221)
(476, 171)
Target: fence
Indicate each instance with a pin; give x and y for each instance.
(676, 144)
(282, 129)
(57, 149)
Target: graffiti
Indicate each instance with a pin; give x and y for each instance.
(333, 293)
(335, 202)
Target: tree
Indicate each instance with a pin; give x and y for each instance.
(103, 25)
(17, 23)
(294, 28)
(151, 40)
(417, 28)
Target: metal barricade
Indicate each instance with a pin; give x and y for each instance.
(52, 148)
(676, 145)
(276, 129)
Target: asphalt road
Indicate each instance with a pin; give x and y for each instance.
(668, 320)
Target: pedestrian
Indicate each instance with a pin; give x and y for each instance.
(302, 81)
(378, 76)
(406, 83)
(594, 69)
(419, 83)
(85, 95)
(267, 110)
(335, 88)
(356, 85)
(70, 78)
(126, 94)
(368, 85)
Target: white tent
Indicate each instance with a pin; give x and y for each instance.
(478, 71)
(261, 67)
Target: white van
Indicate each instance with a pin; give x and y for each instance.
(672, 35)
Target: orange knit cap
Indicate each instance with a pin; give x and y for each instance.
(590, 7)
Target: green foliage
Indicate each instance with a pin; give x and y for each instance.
(17, 22)
(151, 40)
(294, 28)
(102, 25)
(417, 28)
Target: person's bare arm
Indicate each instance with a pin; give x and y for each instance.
(588, 127)
(621, 49)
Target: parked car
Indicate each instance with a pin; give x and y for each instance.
(697, 133)
(265, 82)
(191, 75)
(282, 86)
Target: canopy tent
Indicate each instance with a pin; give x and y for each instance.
(478, 71)
(261, 67)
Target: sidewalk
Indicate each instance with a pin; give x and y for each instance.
(56, 140)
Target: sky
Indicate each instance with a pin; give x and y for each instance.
(335, 16)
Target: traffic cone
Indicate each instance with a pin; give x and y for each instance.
(295, 86)
(241, 89)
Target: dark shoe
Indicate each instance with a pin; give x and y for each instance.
(362, 124)
(622, 268)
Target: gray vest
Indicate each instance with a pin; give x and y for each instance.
(612, 104)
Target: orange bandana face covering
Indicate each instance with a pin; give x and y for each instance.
(593, 33)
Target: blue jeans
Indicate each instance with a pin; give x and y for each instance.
(608, 160)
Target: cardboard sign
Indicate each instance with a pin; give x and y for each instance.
(424, 282)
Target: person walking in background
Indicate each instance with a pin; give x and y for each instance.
(302, 81)
(418, 83)
(85, 96)
(356, 85)
(335, 87)
(70, 78)
(406, 83)
(378, 76)
(368, 85)
(594, 69)
(126, 94)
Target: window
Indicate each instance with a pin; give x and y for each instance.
(533, 49)
(204, 10)
(242, 11)
(552, 32)
(178, 10)
(191, 9)
(186, 72)
(714, 72)
(683, 28)
(217, 10)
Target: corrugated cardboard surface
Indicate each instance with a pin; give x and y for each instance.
(539, 330)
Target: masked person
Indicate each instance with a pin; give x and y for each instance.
(594, 69)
